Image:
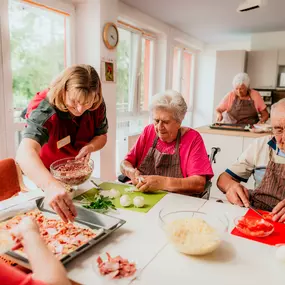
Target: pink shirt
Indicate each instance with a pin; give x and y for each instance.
(227, 102)
(193, 156)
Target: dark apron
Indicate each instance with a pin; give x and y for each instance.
(241, 112)
(272, 188)
(162, 164)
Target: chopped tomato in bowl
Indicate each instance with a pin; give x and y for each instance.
(268, 217)
(254, 227)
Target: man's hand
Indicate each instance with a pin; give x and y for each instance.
(279, 212)
(151, 183)
(85, 152)
(59, 200)
(237, 194)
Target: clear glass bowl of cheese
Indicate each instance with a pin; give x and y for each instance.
(193, 232)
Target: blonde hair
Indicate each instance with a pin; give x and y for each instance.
(84, 83)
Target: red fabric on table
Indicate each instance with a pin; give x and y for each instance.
(9, 181)
(278, 236)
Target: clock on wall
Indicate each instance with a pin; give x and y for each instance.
(110, 35)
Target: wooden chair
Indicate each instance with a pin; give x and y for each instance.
(11, 180)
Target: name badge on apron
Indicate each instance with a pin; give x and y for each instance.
(63, 142)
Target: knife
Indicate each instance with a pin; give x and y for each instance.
(255, 210)
(96, 185)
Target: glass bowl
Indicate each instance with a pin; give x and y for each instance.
(71, 171)
(193, 232)
(254, 226)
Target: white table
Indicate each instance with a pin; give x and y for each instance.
(237, 261)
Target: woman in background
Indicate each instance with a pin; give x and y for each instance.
(242, 105)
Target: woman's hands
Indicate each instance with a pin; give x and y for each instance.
(85, 152)
(219, 117)
(151, 183)
(59, 200)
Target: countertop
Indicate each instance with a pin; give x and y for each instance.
(208, 130)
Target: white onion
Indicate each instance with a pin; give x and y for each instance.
(139, 201)
(115, 193)
(125, 201)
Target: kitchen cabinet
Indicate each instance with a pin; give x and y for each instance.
(262, 68)
(281, 57)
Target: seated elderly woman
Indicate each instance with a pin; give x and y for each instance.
(265, 160)
(166, 155)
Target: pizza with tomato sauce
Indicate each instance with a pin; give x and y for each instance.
(61, 238)
(255, 227)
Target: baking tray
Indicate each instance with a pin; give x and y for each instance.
(230, 127)
(106, 224)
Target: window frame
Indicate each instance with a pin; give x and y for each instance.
(6, 94)
(182, 50)
(135, 101)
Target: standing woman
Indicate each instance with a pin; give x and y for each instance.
(67, 119)
(242, 105)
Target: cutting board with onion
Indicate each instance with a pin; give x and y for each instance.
(150, 199)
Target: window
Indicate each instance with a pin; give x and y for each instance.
(146, 74)
(182, 79)
(38, 37)
(135, 64)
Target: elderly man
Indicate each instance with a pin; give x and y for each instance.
(265, 159)
(167, 155)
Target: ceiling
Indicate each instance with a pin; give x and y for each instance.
(214, 21)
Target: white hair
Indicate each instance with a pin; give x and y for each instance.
(170, 100)
(241, 78)
(278, 105)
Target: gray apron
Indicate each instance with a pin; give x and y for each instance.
(163, 164)
(241, 112)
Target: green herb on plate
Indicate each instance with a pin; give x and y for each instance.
(103, 204)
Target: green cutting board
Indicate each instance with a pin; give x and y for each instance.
(150, 199)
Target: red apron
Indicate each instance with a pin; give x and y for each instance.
(59, 125)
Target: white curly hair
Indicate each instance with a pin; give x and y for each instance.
(241, 78)
(170, 100)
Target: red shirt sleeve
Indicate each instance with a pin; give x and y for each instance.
(12, 276)
(198, 162)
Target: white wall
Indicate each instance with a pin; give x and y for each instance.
(270, 40)
(91, 17)
(204, 87)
